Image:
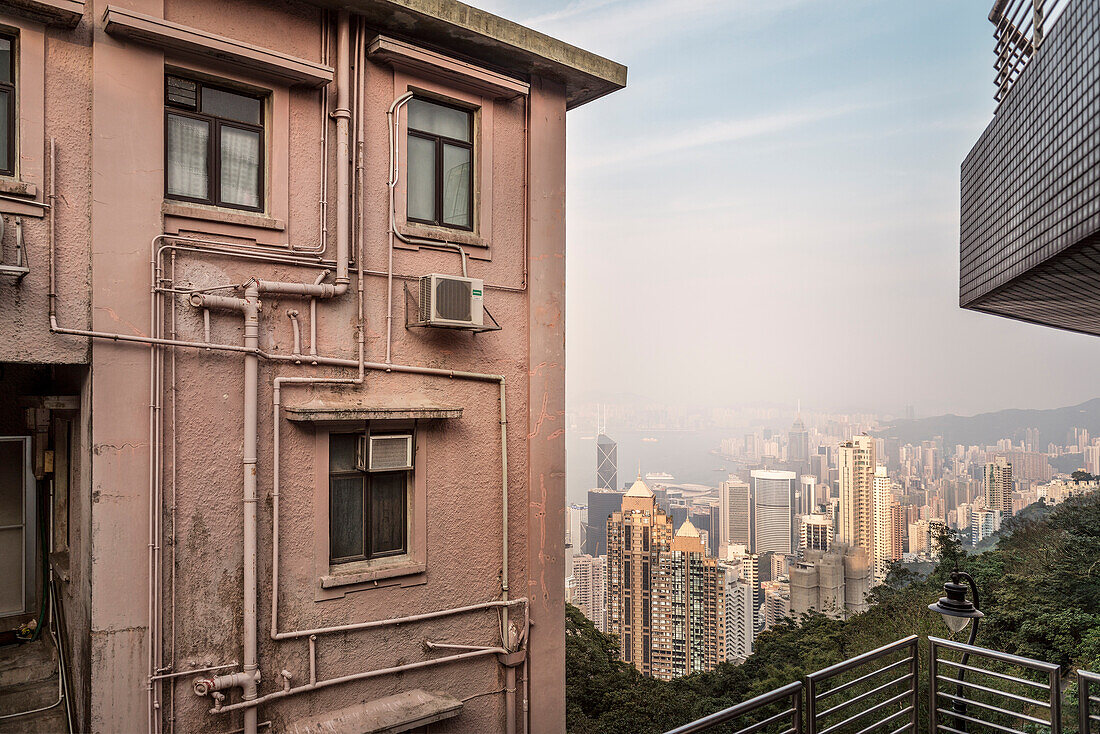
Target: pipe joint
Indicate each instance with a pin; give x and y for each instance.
(242, 680)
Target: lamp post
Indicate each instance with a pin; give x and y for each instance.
(957, 612)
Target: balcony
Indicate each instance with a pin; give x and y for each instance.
(944, 686)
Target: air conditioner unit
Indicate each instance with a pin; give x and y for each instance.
(451, 301)
(388, 452)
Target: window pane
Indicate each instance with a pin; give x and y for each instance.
(240, 173)
(341, 451)
(5, 130)
(230, 106)
(439, 120)
(346, 517)
(188, 157)
(5, 59)
(421, 175)
(456, 185)
(387, 512)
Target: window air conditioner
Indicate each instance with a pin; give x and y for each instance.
(385, 453)
(451, 301)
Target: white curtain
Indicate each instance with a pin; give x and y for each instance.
(240, 172)
(188, 153)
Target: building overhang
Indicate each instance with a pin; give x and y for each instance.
(468, 33)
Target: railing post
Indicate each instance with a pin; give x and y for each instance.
(1055, 677)
(914, 682)
(797, 702)
(811, 706)
(933, 718)
(1082, 704)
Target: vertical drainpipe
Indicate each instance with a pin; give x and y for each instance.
(251, 397)
(342, 113)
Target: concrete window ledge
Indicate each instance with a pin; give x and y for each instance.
(405, 567)
(439, 234)
(397, 713)
(342, 410)
(12, 187)
(185, 210)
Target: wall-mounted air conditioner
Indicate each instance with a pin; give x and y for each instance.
(451, 301)
(387, 452)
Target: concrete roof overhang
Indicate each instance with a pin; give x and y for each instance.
(461, 30)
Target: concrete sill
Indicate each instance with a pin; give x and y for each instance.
(440, 234)
(361, 575)
(214, 214)
(13, 187)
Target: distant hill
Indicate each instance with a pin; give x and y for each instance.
(988, 428)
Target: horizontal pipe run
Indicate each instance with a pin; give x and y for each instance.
(355, 677)
(192, 672)
(994, 709)
(448, 646)
(862, 678)
(148, 340)
(398, 620)
(994, 691)
(983, 722)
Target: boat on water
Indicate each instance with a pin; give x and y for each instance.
(659, 477)
(649, 439)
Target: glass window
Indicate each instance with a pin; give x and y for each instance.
(440, 164)
(7, 105)
(214, 145)
(368, 511)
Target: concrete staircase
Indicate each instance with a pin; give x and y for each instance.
(28, 680)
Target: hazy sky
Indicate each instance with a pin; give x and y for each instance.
(769, 211)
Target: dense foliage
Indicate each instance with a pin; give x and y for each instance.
(1040, 590)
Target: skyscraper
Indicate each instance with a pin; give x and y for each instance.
(856, 461)
(739, 563)
(807, 494)
(607, 463)
(740, 618)
(589, 577)
(997, 486)
(773, 511)
(735, 513)
(815, 533)
(883, 529)
(601, 503)
(798, 443)
(637, 535)
(899, 527)
(688, 608)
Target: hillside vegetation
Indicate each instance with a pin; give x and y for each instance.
(1040, 591)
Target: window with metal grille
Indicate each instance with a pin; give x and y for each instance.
(368, 510)
(213, 145)
(8, 132)
(440, 164)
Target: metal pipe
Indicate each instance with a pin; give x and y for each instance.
(251, 308)
(252, 704)
(510, 700)
(342, 113)
(293, 316)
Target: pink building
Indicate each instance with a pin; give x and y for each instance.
(282, 361)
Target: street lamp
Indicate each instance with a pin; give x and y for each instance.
(957, 612)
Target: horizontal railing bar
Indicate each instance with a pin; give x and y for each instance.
(878, 706)
(872, 674)
(1095, 677)
(907, 726)
(1094, 699)
(1094, 717)
(950, 730)
(721, 717)
(1003, 657)
(995, 674)
(863, 696)
(764, 722)
(983, 722)
(991, 707)
(866, 657)
(1013, 696)
(880, 722)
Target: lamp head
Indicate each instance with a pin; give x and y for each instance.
(956, 608)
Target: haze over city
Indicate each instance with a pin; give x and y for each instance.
(770, 211)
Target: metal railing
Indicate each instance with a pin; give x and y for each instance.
(790, 695)
(1019, 29)
(1087, 721)
(866, 692)
(971, 702)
